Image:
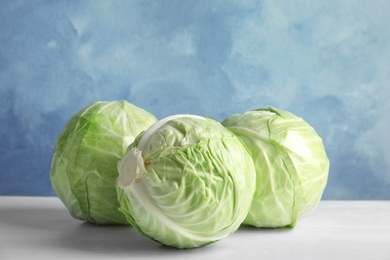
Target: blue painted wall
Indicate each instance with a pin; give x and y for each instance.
(327, 61)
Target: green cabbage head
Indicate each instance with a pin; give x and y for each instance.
(84, 165)
(291, 165)
(186, 182)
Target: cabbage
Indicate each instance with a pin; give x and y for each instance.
(186, 182)
(291, 165)
(84, 165)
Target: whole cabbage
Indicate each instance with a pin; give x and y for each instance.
(186, 182)
(291, 165)
(84, 165)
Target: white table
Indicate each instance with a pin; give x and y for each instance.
(41, 228)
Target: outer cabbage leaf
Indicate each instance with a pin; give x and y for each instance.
(291, 165)
(186, 182)
(84, 165)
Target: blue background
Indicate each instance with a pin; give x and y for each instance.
(326, 61)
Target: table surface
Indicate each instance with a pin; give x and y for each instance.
(41, 228)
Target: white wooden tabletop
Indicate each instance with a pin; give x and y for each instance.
(41, 228)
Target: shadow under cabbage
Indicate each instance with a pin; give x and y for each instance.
(115, 239)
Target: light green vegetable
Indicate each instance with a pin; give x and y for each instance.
(187, 181)
(84, 165)
(291, 165)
